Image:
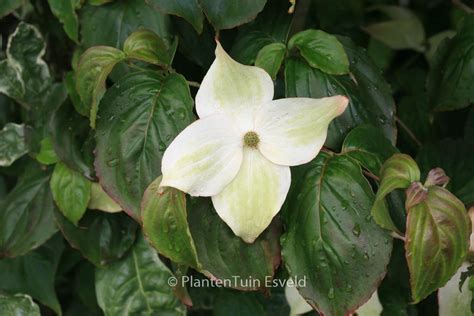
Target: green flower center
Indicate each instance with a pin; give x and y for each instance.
(251, 139)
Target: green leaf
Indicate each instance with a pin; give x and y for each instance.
(437, 240)
(147, 117)
(101, 201)
(455, 157)
(95, 65)
(72, 139)
(330, 236)
(455, 301)
(434, 42)
(111, 24)
(8, 6)
(71, 192)
(165, 224)
(371, 155)
(26, 219)
(98, 2)
(24, 76)
(322, 51)
(187, 9)
(271, 57)
(34, 273)
(12, 143)
(18, 305)
(272, 25)
(452, 72)
(340, 16)
(225, 14)
(65, 11)
(146, 46)
(100, 237)
(403, 30)
(257, 261)
(398, 172)
(137, 285)
(47, 155)
(70, 82)
(370, 97)
(233, 303)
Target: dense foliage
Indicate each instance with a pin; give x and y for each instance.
(92, 92)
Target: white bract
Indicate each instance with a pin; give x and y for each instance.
(240, 150)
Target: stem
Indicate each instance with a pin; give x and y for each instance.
(397, 236)
(371, 175)
(408, 131)
(193, 83)
(462, 6)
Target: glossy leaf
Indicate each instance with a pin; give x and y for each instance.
(398, 172)
(272, 25)
(71, 192)
(100, 237)
(370, 98)
(65, 11)
(101, 201)
(147, 116)
(321, 50)
(71, 139)
(111, 24)
(26, 220)
(331, 238)
(24, 75)
(371, 155)
(34, 273)
(137, 285)
(146, 46)
(451, 72)
(455, 301)
(12, 143)
(165, 223)
(94, 66)
(18, 305)
(257, 260)
(270, 58)
(228, 14)
(437, 240)
(187, 9)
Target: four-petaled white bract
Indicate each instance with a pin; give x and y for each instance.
(240, 150)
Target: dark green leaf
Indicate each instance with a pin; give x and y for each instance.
(94, 66)
(233, 303)
(217, 247)
(71, 192)
(451, 74)
(455, 157)
(340, 16)
(187, 9)
(26, 219)
(137, 285)
(225, 14)
(100, 237)
(271, 26)
(34, 273)
(321, 50)
(12, 143)
(146, 46)
(434, 42)
(398, 172)
(112, 23)
(165, 224)
(7, 6)
(84, 286)
(331, 239)
(437, 240)
(371, 155)
(24, 76)
(70, 82)
(70, 136)
(65, 11)
(270, 58)
(370, 97)
(146, 111)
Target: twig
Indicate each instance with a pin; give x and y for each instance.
(462, 6)
(193, 83)
(371, 175)
(408, 131)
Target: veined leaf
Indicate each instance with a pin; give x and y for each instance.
(101, 201)
(187, 9)
(145, 45)
(270, 58)
(19, 304)
(12, 143)
(225, 14)
(65, 11)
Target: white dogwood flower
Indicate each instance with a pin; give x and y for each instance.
(240, 150)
